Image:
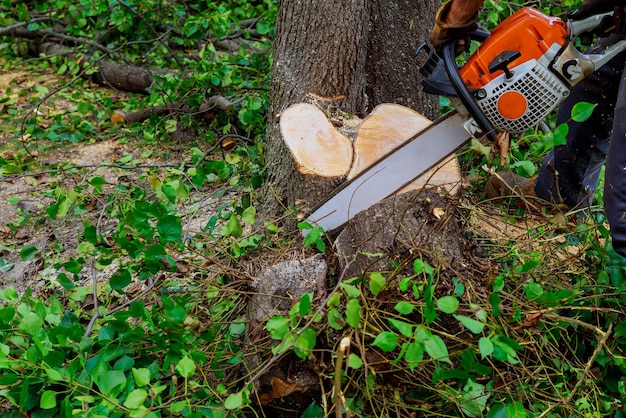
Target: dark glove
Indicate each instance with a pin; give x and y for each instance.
(443, 32)
(594, 7)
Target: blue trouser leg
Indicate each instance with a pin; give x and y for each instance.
(570, 172)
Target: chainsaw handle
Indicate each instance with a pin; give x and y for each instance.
(449, 61)
(576, 28)
(603, 25)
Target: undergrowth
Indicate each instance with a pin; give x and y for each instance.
(140, 263)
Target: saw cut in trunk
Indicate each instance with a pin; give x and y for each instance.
(386, 128)
(319, 149)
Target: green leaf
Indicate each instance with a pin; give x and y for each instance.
(278, 327)
(377, 283)
(526, 267)
(315, 236)
(560, 134)
(313, 411)
(334, 300)
(263, 28)
(170, 229)
(304, 305)
(354, 361)
(305, 343)
(495, 300)
(476, 327)
(485, 346)
(85, 249)
(402, 327)
(120, 280)
(136, 398)
(498, 411)
(234, 401)
(353, 313)
(111, 382)
(386, 341)
(48, 399)
(533, 290)
(404, 307)
(581, 111)
(335, 319)
(54, 375)
(414, 354)
(436, 348)
(28, 252)
(448, 304)
(31, 322)
(351, 290)
(524, 168)
(420, 266)
(474, 399)
(5, 265)
(141, 376)
(232, 228)
(186, 367)
(477, 147)
(249, 215)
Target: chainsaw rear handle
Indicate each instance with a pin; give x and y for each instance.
(441, 77)
(452, 70)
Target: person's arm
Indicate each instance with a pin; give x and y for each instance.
(453, 20)
(462, 11)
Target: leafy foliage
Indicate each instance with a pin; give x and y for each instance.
(142, 314)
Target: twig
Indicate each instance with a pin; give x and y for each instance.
(10, 30)
(340, 400)
(96, 307)
(580, 381)
(124, 305)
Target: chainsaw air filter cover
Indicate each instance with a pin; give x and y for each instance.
(510, 76)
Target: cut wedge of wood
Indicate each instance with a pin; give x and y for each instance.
(387, 127)
(316, 146)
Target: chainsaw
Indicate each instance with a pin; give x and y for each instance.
(519, 73)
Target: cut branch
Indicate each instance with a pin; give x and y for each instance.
(111, 74)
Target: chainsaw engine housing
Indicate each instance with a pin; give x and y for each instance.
(511, 75)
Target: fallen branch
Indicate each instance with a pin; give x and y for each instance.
(109, 73)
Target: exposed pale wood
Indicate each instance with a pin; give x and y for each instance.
(388, 126)
(316, 146)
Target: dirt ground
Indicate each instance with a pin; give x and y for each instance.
(25, 197)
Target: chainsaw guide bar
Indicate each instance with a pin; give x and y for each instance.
(392, 172)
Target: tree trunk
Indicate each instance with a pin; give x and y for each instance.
(347, 56)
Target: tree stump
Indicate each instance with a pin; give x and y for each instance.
(408, 225)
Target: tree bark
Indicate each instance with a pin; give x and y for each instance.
(348, 56)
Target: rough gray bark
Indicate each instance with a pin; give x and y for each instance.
(347, 55)
(397, 28)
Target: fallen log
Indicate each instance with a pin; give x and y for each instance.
(108, 73)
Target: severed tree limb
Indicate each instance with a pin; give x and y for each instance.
(212, 102)
(111, 74)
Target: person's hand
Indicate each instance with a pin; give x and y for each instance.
(594, 7)
(444, 31)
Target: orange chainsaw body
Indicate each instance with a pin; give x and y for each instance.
(528, 31)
